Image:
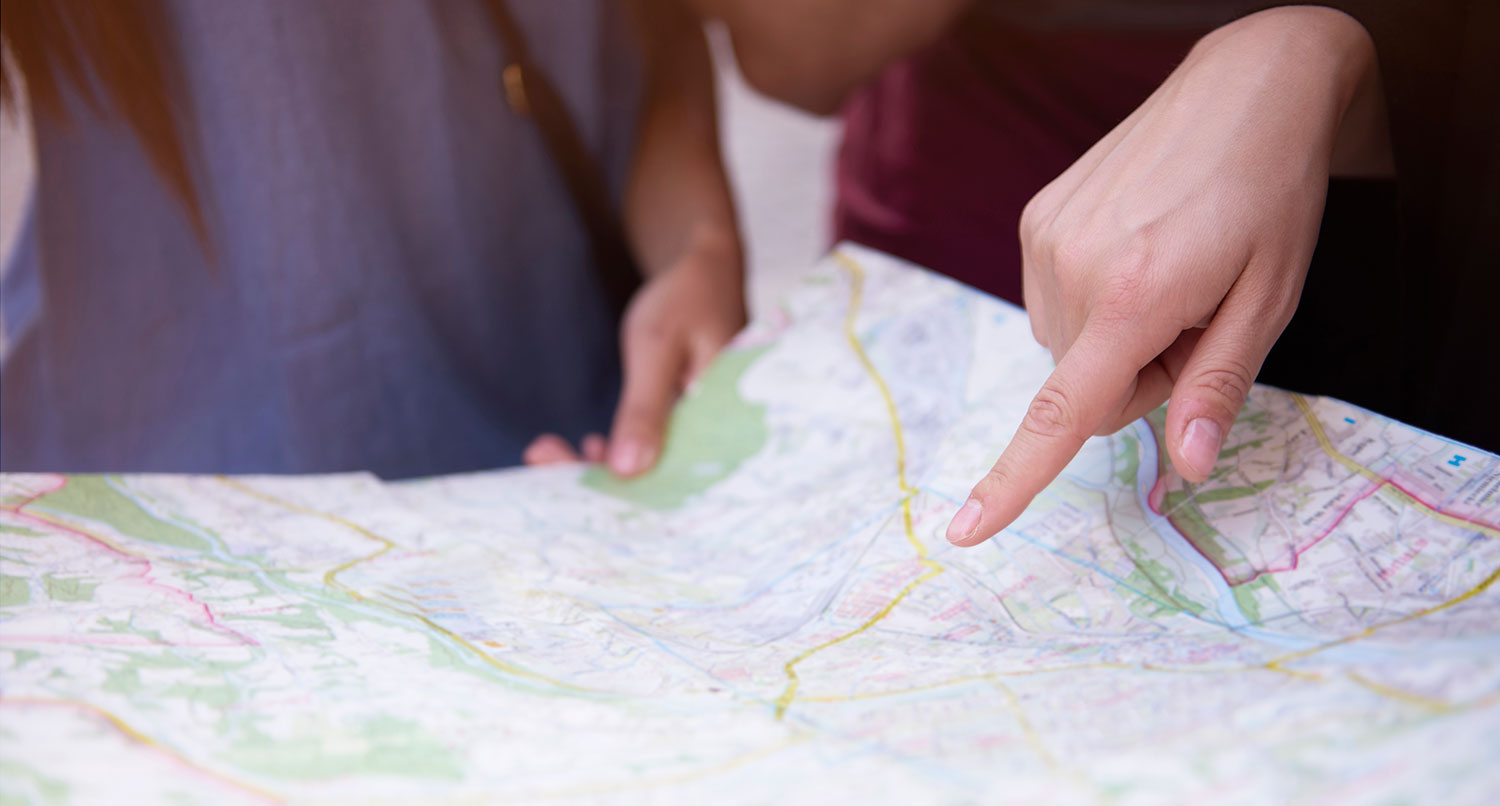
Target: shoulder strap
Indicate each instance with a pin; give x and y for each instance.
(531, 94)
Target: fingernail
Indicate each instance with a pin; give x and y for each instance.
(965, 523)
(624, 458)
(1200, 445)
(629, 458)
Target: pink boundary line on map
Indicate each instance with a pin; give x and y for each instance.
(1413, 496)
(1154, 501)
(144, 575)
(1298, 551)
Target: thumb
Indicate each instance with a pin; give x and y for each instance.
(653, 367)
(1214, 382)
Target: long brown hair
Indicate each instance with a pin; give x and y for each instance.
(115, 56)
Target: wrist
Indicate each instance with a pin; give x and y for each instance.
(1328, 60)
(715, 249)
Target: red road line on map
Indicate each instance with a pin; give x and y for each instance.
(141, 739)
(144, 575)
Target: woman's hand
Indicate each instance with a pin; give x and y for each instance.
(1169, 258)
(674, 327)
(680, 220)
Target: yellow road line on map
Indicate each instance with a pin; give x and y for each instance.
(143, 739)
(1327, 446)
(1274, 665)
(1033, 738)
(790, 668)
(856, 299)
(330, 578)
(1394, 693)
(1390, 692)
(1407, 697)
(1374, 628)
(1076, 667)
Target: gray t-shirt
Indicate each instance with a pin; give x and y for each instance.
(399, 282)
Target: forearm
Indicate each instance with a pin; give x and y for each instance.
(677, 199)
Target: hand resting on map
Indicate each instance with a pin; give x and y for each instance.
(674, 327)
(1168, 259)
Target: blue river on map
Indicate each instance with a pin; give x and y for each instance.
(1231, 617)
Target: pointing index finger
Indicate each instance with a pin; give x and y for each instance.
(1076, 398)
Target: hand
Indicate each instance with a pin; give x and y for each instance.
(674, 327)
(1170, 257)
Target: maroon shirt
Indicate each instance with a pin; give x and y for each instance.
(942, 151)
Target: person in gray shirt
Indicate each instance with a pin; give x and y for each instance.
(296, 237)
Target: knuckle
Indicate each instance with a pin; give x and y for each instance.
(1070, 258)
(1278, 304)
(1032, 216)
(1130, 275)
(1231, 385)
(1050, 415)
